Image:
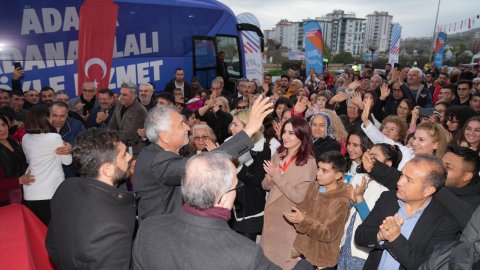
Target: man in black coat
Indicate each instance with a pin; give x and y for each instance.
(93, 222)
(179, 82)
(198, 236)
(159, 167)
(404, 226)
(461, 193)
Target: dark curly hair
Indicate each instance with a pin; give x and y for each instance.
(93, 148)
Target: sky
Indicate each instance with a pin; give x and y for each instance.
(417, 17)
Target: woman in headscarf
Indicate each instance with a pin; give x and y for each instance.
(322, 133)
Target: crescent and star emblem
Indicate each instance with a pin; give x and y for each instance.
(96, 61)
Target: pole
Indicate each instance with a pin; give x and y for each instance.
(434, 32)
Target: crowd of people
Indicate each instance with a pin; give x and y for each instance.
(361, 170)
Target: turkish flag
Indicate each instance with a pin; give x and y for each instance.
(98, 20)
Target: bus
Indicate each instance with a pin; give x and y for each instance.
(152, 39)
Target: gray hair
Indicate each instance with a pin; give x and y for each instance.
(158, 120)
(416, 69)
(61, 92)
(92, 83)
(207, 177)
(203, 125)
(131, 86)
(148, 85)
(298, 82)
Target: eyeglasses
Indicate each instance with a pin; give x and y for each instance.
(239, 185)
(88, 90)
(201, 138)
(242, 107)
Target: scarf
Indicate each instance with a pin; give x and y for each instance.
(329, 123)
(214, 212)
(88, 104)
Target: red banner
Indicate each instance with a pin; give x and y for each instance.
(98, 20)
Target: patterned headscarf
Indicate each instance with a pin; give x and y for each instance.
(329, 123)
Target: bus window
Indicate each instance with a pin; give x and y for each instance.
(229, 45)
(204, 60)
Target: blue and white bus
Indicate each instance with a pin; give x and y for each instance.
(153, 38)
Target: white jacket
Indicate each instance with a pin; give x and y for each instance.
(372, 193)
(376, 136)
(44, 164)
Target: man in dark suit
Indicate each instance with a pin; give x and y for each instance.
(198, 236)
(93, 222)
(404, 226)
(159, 167)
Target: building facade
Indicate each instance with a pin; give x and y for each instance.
(377, 31)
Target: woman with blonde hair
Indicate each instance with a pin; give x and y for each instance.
(247, 218)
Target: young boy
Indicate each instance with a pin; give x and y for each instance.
(320, 219)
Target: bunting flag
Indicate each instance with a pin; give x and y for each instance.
(313, 46)
(462, 25)
(394, 51)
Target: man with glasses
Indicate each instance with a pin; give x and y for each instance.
(84, 104)
(208, 188)
(464, 90)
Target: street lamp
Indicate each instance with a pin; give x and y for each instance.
(372, 49)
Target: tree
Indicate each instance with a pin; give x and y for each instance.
(274, 50)
(343, 57)
(458, 51)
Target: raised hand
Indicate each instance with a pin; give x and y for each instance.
(357, 100)
(260, 108)
(354, 85)
(368, 161)
(338, 98)
(301, 105)
(384, 91)
(367, 104)
(18, 73)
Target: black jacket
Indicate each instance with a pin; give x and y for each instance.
(434, 226)
(460, 202)
(185, 241)
(219, 122)
(324, 145)
(92, 226)
(250, 199)
(187, 89)
(158, 175)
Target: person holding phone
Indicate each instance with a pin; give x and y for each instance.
(18, 74)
